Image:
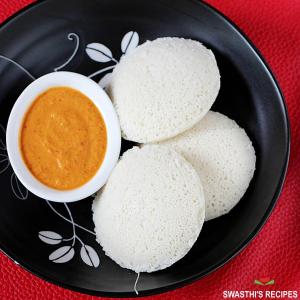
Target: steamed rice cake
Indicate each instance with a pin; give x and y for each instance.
(163, 88)
(224, 158)
(151, 210)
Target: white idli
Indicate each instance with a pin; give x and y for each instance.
(215, 120)
(163, 88)
(151, 210)
(224, 158)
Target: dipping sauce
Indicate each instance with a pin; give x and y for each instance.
(63, 138)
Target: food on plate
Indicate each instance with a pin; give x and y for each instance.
(63, 138)
(216, 120)
(194, 164)
(164, 87)
(151, 211)
(224, 158)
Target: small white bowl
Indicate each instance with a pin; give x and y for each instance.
(93, 91)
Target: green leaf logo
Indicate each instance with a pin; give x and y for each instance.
(264, 281)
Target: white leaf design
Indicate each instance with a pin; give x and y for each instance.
(89, 256)
(62, 255)
(99, 52)
(18, 189)
(50, 237)
(129, 41)
(2, 138)
(4, 163)
(105, 80)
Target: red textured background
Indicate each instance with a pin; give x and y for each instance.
(274, 27)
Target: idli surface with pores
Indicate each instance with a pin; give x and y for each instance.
(224, 158)
(163, 87)
(151, 211)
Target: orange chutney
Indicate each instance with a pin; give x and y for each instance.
(63, 138)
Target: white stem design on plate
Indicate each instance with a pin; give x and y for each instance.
(136, 282)
(101, 71)
(18, 65)
(5, 161)
(73, 225)
(68, 220)
(18, 189)
(71, 37)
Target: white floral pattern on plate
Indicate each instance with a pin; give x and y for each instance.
(66, 253)
(17, 188)
(101, 54)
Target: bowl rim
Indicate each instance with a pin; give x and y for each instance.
(241, 247)
(103, 103)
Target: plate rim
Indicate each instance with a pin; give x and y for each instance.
(239, 248)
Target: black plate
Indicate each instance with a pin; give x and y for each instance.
(37, 38)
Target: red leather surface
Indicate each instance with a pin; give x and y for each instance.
(274, 27)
